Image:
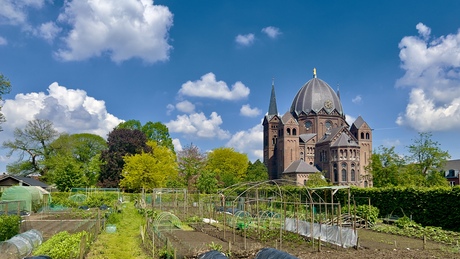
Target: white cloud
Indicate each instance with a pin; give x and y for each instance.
(247, 111)
(432, 70)
(357, 99)
(197, 125)
(422, 113)
(120, 29)
(3, 41)
(249, 142)
(170, 108)
(350, 119)
(208, 87)
(71, 111)
(272, 32)
(245, 40)
(177, 145)
(391, 142)
(15, 11)
(185, 106)
(47, 31)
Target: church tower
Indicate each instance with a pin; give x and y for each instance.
(270, 125)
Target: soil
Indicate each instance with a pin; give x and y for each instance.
(190, 244)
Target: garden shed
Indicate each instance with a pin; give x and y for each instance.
(31, 195)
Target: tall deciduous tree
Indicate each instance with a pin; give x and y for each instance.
(386, 167)
(229, 165)
(5, 87)
(149, 170)
(317, 180)
(155, 131)
(120, 142)
(191, 163)
(257, 171)
(78, 156)
(32, 146)
(426, 155)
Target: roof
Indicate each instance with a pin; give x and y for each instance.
(27, 180)
(314, 96)
(299, 166)
(452, 164)
(344, 141)
(306, 137)
(272, 109)
(358, 122)
(330, 134)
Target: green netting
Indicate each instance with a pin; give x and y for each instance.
(28, 194)
(78, 198)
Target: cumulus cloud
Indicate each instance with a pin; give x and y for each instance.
(247, 111)
(197, 125)
(71, 111)
(272, 32)
(47, 31)
(15, 11)
(350, 119)
(177, 145)
(249, 142)
(3, 41)
(208, 87)
(120, 29)
(170, 108)
(357, 99)
(245, 40)
(432, 71)
(185, 106)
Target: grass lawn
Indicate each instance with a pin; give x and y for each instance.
(125, 242)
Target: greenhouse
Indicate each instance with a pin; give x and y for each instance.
(31, 195)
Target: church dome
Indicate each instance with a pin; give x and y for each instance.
(314, 96)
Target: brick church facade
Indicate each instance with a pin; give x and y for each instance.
(314, 131)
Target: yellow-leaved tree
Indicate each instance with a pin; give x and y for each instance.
(149, 170)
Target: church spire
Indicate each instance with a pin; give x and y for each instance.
(272, 109)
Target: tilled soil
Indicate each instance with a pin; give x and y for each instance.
(190, 244)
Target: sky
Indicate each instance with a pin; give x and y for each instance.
(205, 68)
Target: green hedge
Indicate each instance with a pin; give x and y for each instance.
(438, 207)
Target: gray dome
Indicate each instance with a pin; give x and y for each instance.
(314, 96)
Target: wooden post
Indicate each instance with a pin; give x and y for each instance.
(319, 244)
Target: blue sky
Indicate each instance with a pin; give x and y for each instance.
(205, 68)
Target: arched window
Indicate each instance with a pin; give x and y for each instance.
(294, 132)
(365, 184)
(336, 174)
(305, 182)
(353, 176)
(367, 135)
(288, 131)
(362, 135)
(344, 175)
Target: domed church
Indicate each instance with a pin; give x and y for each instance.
(314, 136)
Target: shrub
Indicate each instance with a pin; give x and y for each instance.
(62, 245)
(9, 226)
(370, 213)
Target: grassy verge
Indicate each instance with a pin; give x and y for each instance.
(125, 242)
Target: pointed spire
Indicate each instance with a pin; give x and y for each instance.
(272, 109)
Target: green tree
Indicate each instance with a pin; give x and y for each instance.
(77, 151)
(426, 155)
(207, 182)
(316, 180)
(191, 163)
(149, 170)
(155, 131)
(229, 165)
(5, 88)
(256, 172)
(32, 146)
(386, 166)
(120, 142)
